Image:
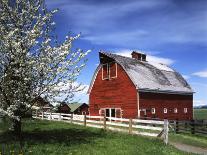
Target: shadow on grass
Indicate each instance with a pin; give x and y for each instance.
(72, 136)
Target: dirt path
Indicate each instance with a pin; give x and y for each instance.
(189, 148)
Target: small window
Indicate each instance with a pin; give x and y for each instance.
(105, 71)
(153, 110)
(113, 70)
(175, 110)
(165, 110)
(185, 110)
(95, 106)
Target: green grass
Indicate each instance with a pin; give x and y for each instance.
(44, 137)
(200, 114)
(189, 139)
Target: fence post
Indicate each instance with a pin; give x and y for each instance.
(42, 114)
(84, 121)
(50, 115)
(71, 118)
(166, 129)
(130, 126)
(176, 126)
(192, 127)
(104, 122)
(59, 117)
(36, 113)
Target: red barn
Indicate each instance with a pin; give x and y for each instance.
(136, 88)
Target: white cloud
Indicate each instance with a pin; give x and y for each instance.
(80, 96)
(166, 61)
(201, 74)
(186, 77)
(108, 24)
(198, 102)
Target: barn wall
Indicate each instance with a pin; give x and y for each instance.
(64, 108)
(82, 109)
(159, 101)
(118, 92)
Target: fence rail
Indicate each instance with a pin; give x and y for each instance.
(193, 127)
(152, 128)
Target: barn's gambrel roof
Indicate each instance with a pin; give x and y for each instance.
(149, 76)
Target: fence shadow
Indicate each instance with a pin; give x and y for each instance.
(71, 136)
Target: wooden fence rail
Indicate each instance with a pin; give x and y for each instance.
(152, 128)
(193, 127)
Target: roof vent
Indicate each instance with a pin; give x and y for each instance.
(139, 56)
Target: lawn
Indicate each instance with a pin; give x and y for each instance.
(200, 114)
(44, 137)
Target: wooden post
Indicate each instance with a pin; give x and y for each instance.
(104, 122)
(84, 121)
(50, 115)
(192, 127)
(166, 129)
(177, 126)
(130, 126)
(71, 118)
(36, 113)
(42, 114)
(59, 117)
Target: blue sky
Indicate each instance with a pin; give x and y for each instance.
(169, 31)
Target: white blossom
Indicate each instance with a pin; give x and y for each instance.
(32, 63)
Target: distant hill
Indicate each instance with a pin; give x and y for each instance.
(200, 107)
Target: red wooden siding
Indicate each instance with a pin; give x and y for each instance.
(63, 108)
(114, 89)
(117, 92)
(82, 110)
(159, 101)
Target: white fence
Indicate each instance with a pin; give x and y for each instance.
(152, 128)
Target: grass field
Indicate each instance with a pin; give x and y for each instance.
(200, 114)
(44, 137)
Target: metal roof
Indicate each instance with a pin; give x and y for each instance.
(150, 76)
(74, 106)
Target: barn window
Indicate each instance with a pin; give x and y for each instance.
(95, 106)
(109, 70)
(112, 70)
(105, 71)
(165, 110)
(153, 110)
(185, 110)
(175, 110)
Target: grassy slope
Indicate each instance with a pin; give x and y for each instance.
(200, 113)
(44, 137)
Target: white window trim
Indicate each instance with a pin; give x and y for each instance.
(110, 112)
(153, 111)
(106, 72)
(185, 110)
(175, 110)
(165, 110)
(110, 69)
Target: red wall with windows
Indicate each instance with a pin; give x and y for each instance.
(120, 92)
(159, 101)
(117, 92)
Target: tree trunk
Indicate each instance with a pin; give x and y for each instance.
(16, 127)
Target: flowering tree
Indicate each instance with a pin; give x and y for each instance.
(32, 62)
